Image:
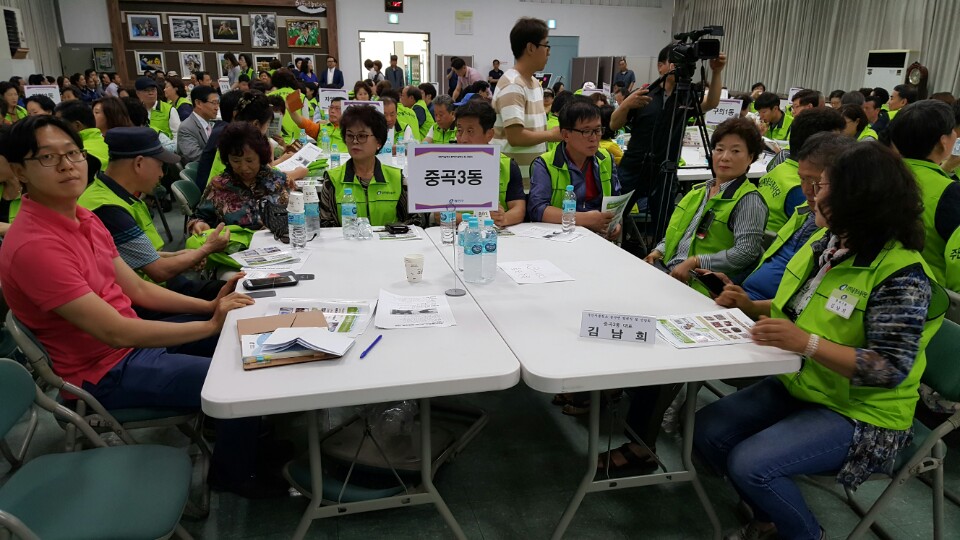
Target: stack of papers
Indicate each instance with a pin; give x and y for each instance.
(314, 339)
(540, 271)
(349, 317)
(548, 233)
(272, 258)
(724, 327)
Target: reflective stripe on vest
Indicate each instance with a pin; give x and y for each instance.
(160, 119)
(933, 182)
(560, 176)
(890, 408)
(774, 187)
(720, 234)
(378, 202)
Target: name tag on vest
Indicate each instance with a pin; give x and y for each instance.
(840, 303)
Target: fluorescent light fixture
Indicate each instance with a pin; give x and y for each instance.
(552, 23)
(393, 18)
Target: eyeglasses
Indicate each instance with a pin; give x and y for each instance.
(589, 132)
(547, 45)
(818, 185)
(213, 102)
(359, 138)
(52, 160)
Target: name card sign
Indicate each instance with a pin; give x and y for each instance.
(445, 176)
(224, 84)
(51, 91)
(784, 103)
(725, 110)
(326, 95)
(378, 105)
(793, 91)
(618, 327)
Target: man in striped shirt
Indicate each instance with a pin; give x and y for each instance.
(521, 127)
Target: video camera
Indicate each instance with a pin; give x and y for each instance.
(690, 48)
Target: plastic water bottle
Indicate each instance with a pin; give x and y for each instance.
(334, 156)
(296, 220)
(489, 272)
(388, 146)
(569, 210)
(459, 251)
(348, 215)
(303, 137)
(401, 153)
(311, 209)
(473, 254)
(325, 142)
(621, 141)
(448, 223)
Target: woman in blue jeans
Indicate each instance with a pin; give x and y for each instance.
(854, 301)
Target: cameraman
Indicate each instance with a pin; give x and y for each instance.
(648, 114)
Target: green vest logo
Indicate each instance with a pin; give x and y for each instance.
(853, 290)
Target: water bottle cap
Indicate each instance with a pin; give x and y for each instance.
(570, 188)
(336, 148)
(348, 191)
(473, 224)
(488, 222)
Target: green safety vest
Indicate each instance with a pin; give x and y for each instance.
(932, 181)
(378, 201)
(289, 128)
(336, 138)
(250, 72)
(444, 136)
(868, 132)
(94, 144)
(560, 174)
(17, 114)
(14, 210)
(552, 122)
(428, 121)
(311, 107)
(781, 133)
(505, 161)
(891, 113)
(406, 117)
(183, 101)
(239, 240)
(890, 408)
(774, 187)
(786, 232)
(720, 234)
(160, 119)
(951, 253)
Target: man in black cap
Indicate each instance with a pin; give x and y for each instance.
(136, 166)
(164, 118)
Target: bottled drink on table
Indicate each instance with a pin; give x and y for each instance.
(472, 253)
(325, 142)
(621, 142)
(448, 225)
(311, 209)
(489, 272)
(296, 220)
(569, 220)
(303, 139)
(348, 215)
(335, 156)
(401, 153)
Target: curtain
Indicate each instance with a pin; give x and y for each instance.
(41, 30)
(823, 44)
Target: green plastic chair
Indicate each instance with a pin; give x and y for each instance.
(118, 421)
(189, 172)
(136, 491)
(927, 452)
(188, 197)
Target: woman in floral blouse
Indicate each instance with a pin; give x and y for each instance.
(234, 197)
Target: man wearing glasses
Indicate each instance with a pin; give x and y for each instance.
(195, 130)
(579, 161)
(521, 127)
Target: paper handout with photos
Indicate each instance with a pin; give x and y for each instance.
(724, 327)
(395, 311)
(350, 317)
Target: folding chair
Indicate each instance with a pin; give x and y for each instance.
(927, 452)
(188, 197)
(118, 421)
(136, 491)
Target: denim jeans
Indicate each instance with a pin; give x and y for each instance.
(760, 437)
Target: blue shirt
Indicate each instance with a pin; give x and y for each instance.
(541, 188)
(762, 284)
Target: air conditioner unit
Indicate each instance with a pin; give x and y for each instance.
(888, 68)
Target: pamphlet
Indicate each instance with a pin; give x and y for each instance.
(307, 154)
(265, 256)
(395, 311)
(706, 329)
(540, 271)
(557, 234)
(616, 204)
(314, 339)
(350, 317)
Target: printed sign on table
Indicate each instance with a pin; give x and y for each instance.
(618, 327)
(326, 95)
(378, 105)
(725, 110)
(50, 91)
(442, 176)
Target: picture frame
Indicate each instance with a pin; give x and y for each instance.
(312, 57)
(144, 27)
(152, 60)
(263, 31)
(303, 33)
(190, 63)
(103, 60)
(262, 61)
(186, 28)
(224, 29)
(222, 64)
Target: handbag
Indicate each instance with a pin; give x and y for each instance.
(274, 218)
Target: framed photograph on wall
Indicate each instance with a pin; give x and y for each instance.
(262, 61)
(144, 27)
(224, 29)
(190, 62)
(186, 28)
(310, 57)
(263, 30)
(103, 60)
(149, 60)
(303, 32)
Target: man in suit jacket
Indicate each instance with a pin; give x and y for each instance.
(332, 77)
(195, 130)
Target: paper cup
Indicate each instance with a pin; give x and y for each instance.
(414, 267)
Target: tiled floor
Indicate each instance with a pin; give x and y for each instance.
(515, 479)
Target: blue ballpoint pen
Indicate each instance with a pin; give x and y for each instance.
(372, 345)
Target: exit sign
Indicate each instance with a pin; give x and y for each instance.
(393, 6)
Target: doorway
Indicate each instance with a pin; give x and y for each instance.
(412, 50)
(563, 49)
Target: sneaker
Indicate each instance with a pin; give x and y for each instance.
(752, 531)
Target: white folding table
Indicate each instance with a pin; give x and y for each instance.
(541, 324)
(406, 364)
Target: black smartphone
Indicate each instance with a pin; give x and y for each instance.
(269, 282)
(710, 281)
(661, 266)
(397, 228)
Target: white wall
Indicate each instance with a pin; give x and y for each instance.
(603, 30)
(84, 21)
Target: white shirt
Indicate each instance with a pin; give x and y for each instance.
(203, 122)
(330, 75)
